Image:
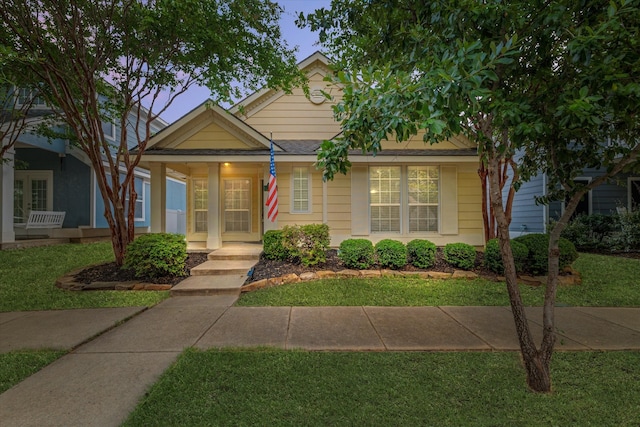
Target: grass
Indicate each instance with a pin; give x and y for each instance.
(607, 281)
(29, 275)
(18, 365)
(316, 388)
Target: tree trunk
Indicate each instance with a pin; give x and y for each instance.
(536, 363)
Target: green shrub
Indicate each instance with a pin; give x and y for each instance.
(591, 232)
(629, 234)
(391, 254)
(157, 255)
(307, 243)
(421, 253)
(538, 259)
(493, 258)
(460, 255)
(273, 247)
(356, 253)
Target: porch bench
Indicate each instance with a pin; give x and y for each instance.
(43, 219)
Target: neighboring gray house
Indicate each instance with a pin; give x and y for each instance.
(528, 217)
(44, 175)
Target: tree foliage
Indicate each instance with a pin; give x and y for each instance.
(557, 79)
(124, 62)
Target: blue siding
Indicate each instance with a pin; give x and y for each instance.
(101, 221)
(56, 145)
(71, 183)
(176, 195)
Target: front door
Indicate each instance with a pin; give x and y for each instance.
(33, 191)
(237, 209)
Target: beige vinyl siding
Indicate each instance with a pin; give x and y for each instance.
(339, 208)
(285, 217)
(213, 136)
(293, 116)
(470, 204)
(417, 143)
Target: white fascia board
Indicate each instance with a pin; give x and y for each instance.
(306, 159)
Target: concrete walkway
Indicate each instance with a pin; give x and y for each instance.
(101, 380)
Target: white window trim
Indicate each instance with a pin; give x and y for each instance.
(111, 137)
(34, 105)
(405, 184)
(309, 209)
(630, 180)
(404, 204)
(141, 198)
(399, 204)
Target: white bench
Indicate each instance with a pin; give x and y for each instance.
(43, 219)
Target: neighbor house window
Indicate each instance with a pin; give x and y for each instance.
(422, 183)
(384, 198)
(138, 214)
(109, 130)
(404, 199)
(301, 190)
(26, 95)
(634, 194)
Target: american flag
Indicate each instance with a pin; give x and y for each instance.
(272, 196)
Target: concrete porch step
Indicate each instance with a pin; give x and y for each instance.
(209, 285)
(237, 253)
(223, 267)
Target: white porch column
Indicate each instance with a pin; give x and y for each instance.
(7, 235)
(214, 235)
(158, 197)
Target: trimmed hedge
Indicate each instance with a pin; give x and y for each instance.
(391, 254)
(493, 258)
(356, 253)
(273, 247)
(538, 259)
(156, 255)
(421, 253)
(461, 255)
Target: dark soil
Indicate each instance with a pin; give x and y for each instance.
(265, 268)
(110, 272)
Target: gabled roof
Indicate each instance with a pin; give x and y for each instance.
(202, 116)
(316, 60)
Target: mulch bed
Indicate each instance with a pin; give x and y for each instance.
(110, 272)
(266, 269)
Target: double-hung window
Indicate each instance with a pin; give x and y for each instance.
(404, 199)
(300, 190)
(422, 183)
(384, 190)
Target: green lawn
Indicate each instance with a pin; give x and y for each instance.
(318, 388)
(607, 281)
(28, 279)
(18, 365)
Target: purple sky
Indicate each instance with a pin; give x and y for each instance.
(305, 40)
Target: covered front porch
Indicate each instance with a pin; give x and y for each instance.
(225, 201)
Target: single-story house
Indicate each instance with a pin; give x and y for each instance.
(408, 191)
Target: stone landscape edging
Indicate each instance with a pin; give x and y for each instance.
(571, 277)
(69, 282)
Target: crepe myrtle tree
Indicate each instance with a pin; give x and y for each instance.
(508, 75)
(16, 100)
(125, 62)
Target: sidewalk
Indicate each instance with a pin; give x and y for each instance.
(101, 380)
